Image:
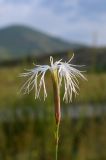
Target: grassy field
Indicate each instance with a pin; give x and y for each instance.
(27, 138)
(91, 91)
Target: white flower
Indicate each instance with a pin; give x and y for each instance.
(66, 72)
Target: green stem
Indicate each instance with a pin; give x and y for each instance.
(57, 108)
(57, 140)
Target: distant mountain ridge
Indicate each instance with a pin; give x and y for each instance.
(20, 41)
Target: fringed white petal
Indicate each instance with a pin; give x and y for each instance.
(69, 75)
(36, 80)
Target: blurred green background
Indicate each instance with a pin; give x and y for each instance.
(31, 32)
(27, 125)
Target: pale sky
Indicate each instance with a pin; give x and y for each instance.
(73, 20)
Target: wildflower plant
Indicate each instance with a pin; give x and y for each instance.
(60, 72)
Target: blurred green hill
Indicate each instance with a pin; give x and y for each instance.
(21, 41)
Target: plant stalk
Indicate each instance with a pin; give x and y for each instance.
(56, 91)
(57, 108)
(57, 140)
